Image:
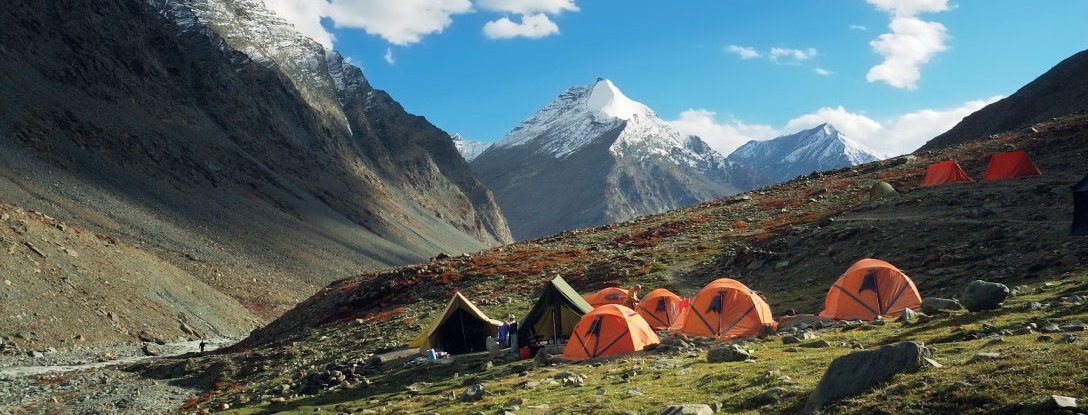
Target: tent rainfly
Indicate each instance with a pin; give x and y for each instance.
(881, 190)
(607, 295)
(608, 330)
(555, 313)
(869, 289)
(1009, 165)
(661, 309)
(943, 173)
(462, 328)
(1080, 208)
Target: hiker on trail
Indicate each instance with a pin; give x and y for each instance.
(512, 332)
(632, 296)
(203, 344)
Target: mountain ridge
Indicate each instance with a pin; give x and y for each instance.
(811, 150)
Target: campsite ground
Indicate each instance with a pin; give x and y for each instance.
(789, 241)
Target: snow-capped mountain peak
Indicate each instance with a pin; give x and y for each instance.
(469, 149)
(609, 100)
(816, 149)
(584, 115)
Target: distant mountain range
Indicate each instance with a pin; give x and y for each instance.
(1061, 91)
(594, 156)
(786, 157)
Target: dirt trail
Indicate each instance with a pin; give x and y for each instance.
(74, 361)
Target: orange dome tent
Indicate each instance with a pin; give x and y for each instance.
(608, 295)
(1009, 165)
(727, 308)
(868, 289)
(944, 172)
(608, 330)
(661, 308)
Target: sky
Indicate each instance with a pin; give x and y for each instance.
(890, 74)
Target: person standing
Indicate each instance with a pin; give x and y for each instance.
(512, 332)
(632, 296)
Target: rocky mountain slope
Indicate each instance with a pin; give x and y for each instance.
(212, 140)
(816, 149)
(594, 156)
(469, 149)
(336, 351)
(1060, 91)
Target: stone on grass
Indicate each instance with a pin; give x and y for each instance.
(931, 305)
(688, 409)
(981, 295)
(908, 316)
(473, 393)
(860, 371)
(1073, 327)
(985, 357)
(1064, 402)
(730, 353)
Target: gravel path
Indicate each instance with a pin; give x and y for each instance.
(76, 382)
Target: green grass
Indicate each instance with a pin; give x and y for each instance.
(1029, 371)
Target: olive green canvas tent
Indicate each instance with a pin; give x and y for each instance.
(462, 328)
(881, 190)
(555, 313)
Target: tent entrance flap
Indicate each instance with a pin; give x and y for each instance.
(462, 333)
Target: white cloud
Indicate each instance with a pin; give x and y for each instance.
(889, 136)
(305, 16)
(526, 7)
(858, 27)
(401, 22)
(911, 43)
(744, 52)
(786, 55)
(533, 26)
(724, 136)
(823, 72)
(389, 56)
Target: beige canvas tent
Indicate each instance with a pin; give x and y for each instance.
(462, 328)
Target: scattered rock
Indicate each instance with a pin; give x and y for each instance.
(908, 316)
(688, 409)
(570, 378)
(1073, 327)
(730, 353)
(473, 393)
(1034, 305)
(1064, 402)
(932, 305)
(1050, 328)
(818, 344)
(859, 371)
(981, 295)
(985, 357)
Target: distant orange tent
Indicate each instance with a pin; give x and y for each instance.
(609, 295)
(868, 289)
(661, 309)
(1009, 165)
(609, 330)
(726, 308)
(943, 173)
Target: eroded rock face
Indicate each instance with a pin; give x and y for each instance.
(859, 371)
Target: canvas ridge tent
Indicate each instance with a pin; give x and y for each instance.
(1009, 165)
(726, 308)
(868, 289)
(554, 314)
(607, 295)
(609, 330)
(462, 328)
(1080, 208)
(661, 309)
(943, 173)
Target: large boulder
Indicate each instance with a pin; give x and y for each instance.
(473, 393)
(981, 295)
(933, 305)
(859, 371)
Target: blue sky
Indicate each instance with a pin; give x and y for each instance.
(708, 66)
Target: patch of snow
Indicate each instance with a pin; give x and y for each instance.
(469, 149)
